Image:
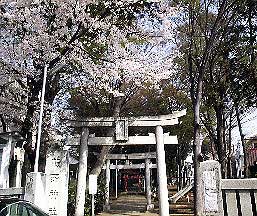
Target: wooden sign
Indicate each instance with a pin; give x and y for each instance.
(121, 129)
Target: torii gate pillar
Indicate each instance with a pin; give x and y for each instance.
(82, 174)
(149, 206)
(161, 169)
(107, 194)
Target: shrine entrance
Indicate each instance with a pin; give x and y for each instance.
(124, 175)
(121, 126)
(132, 181)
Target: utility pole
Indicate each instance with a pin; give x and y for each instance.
(40, 119)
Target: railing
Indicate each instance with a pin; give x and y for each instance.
(239, 197)
(181, 193)
(12, 192)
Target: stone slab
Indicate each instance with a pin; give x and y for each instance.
(35, 189)
(57, 170)
(211, 188)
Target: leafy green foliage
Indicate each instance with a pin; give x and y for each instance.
(124, 13)
(96, 51)
(146, 101)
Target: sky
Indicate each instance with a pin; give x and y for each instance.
(249, 126)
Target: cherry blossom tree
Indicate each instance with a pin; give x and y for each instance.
(131, 62)
(98, 42)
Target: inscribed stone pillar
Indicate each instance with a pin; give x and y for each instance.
(210, 185)
(35, 189)
(149, 206)
(57, 170)
(161, 169)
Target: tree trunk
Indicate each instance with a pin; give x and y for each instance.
(47, 136)
(197, 146)
(200, 60)
(196, 96)
(4, 125)
(246, 174)
(28, 126)
(178, 168)
(31, 117)
(106, 149)
(252, 34)
(229, 165)
(220, 139)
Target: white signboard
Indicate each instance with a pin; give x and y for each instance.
(92, 184)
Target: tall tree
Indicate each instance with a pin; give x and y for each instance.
(206, 30)
(56, 33)
(129, 64)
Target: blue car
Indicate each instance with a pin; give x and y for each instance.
(17, 207)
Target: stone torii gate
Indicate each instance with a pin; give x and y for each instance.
(133, 156)
(121, 138)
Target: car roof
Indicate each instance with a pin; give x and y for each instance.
(10, 200)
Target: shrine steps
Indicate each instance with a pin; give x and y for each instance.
(184, 205)
(181, 214)
(182, 209)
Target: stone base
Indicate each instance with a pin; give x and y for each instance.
(106, 208)
(150, 207)
(35, 189)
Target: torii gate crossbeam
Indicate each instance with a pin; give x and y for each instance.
(121, 125)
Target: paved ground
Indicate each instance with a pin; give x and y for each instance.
(135, 205)
(129, 205)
